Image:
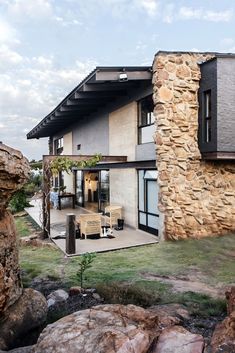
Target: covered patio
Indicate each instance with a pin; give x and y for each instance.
(126, 238)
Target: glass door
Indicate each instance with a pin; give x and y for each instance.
(103, 190)
(79, 188)
(148, 201)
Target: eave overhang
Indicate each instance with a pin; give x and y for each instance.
(101, 87)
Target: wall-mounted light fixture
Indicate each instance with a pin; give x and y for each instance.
(123, 77)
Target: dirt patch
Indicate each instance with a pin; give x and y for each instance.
(189, 283)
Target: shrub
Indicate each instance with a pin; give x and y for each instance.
(18, 201)
(117, 293)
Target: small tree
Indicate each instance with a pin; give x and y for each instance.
(84, 264)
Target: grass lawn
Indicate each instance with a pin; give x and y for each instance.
(212, 259)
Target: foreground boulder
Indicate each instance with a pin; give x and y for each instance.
(22, 318)
(104, 328)
(178, 340)
(14, 171)
(19, 313)
(223, 339)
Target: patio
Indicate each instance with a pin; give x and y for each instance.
(126, 238)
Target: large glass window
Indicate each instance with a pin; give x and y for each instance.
(58, 146)
(145, 120)
(207, 116)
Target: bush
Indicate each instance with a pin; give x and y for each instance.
(117, 293)
(18, 201)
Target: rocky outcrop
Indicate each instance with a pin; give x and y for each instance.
(230, 296)
(178, 340)
(104, 328)
(14, 171)
(20, 312)
(22, 318)
(196, 198)
(223, 339)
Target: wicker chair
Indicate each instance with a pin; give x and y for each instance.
(90, 224)
(112, 214)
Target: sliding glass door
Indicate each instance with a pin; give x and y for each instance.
(79, 188)
(103, 190)
(148, 201)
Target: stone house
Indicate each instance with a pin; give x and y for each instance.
(169, 131)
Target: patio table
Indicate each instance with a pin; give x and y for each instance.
(63, 196)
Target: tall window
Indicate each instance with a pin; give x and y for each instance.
(58, 146)
(207, 116)
(145, 120)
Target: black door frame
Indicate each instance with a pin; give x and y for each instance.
(83, 187)
(146, 228)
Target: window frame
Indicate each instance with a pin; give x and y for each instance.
(149, 118)
(59, 145)
(207, 116)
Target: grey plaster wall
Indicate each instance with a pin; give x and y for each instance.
(208, 82)
(92, 134)
(145, 152)
(226, 104)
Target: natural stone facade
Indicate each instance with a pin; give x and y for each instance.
(14, 171)
(197, 198)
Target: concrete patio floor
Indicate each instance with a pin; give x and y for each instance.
(126, 238)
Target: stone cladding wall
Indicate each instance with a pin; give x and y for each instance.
(197, 198)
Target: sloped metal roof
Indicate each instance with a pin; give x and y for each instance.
(102, 86)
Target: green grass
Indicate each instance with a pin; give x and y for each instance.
(22, 227)
(125, 272)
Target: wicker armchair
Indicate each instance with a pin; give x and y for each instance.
(90, 224)
(112, 214)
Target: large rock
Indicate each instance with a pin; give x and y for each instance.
(22, 318)
(223, 339)
(101, 329)
(178, 340)
(230, 296)
(14, 171)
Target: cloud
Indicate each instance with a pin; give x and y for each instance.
(28, 9)
(8, 34)
(150, 6)
(30, 88)
(188, 13)
(8, 57)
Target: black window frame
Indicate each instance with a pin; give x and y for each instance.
(59, 145)
(144, 121)
(207, 116)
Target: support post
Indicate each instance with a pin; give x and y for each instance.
(70, 234)
(46, 200)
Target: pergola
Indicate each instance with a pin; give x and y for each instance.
(47, 176)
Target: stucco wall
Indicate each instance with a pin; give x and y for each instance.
(92, 134)
(197, 198)
(123, 191)
(123, 131)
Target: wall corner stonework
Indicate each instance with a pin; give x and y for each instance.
(196, 197)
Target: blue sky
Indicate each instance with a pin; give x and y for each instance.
(48, 46)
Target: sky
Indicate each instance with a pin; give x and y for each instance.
(48, 46)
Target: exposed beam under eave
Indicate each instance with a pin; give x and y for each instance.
(79, 95)
(114, 76)
(87, 87)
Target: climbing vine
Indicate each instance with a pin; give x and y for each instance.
(65, 164)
